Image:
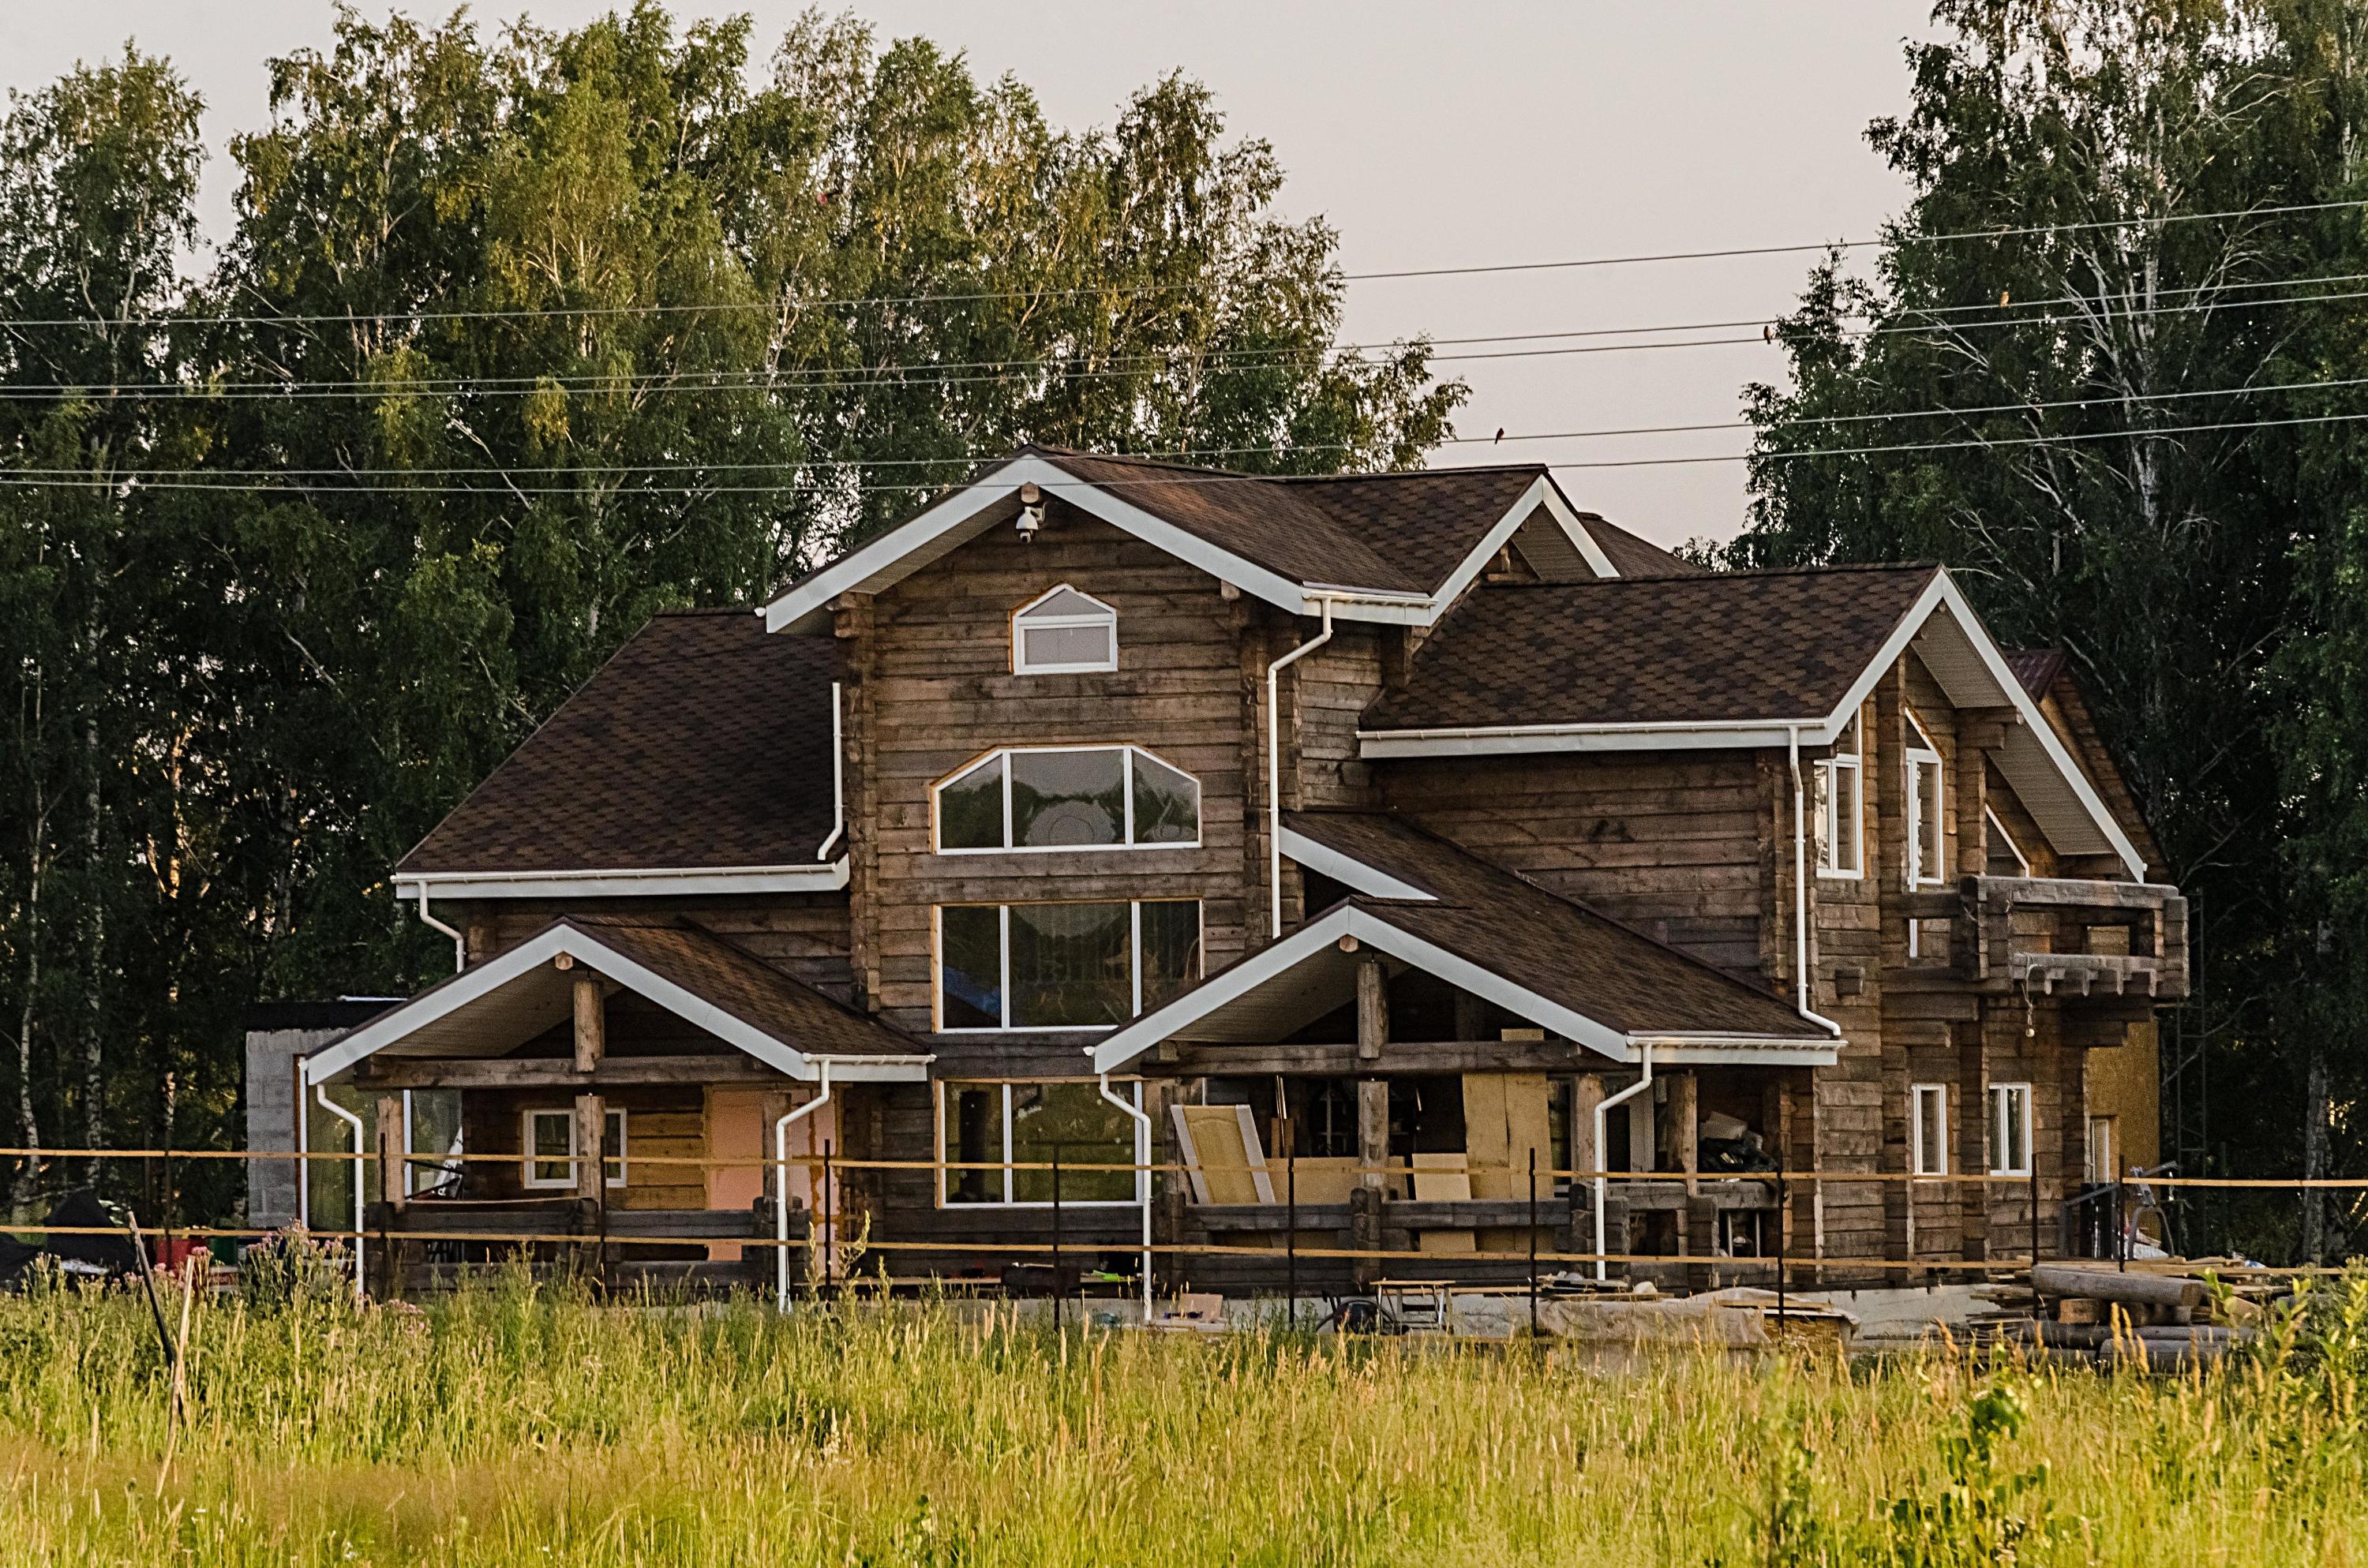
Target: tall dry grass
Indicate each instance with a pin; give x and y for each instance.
(513, 1425)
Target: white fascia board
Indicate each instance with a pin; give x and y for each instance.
(1266, 964)
(1351, 873)
(1944, 594)
(606, 961)
(960, 518)
(1515, 739)
(1567, 516)
(725, 881)
(1540, 493)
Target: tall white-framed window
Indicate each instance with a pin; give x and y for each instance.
(1927, 838)
(1928, 1129)
(1042, 799)
(2010, 1129)
(1062, 966)
(2102, 1148)
(2002, 839)
(987, 1130)
(1841, 807)
(1064, 632)
(548, 1138)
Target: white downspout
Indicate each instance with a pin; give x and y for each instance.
(303, 1152)
(321, 1093)
(1801, 889)
(1142, 1179)
(1274, 765)
(460, 943)
(837, 781)
(1603, 1182)
(782, 1186)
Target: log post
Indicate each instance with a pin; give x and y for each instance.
(591, 1139)
(391, 1188)
(1372, 1116)
(1586, 1159)
(591, 1031)
(1685, 1127)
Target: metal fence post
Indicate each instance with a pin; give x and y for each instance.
(1290, 1229)
(1056, 1238)
(1533, 1241)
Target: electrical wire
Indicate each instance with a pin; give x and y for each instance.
(1566, 264)
(240, 482)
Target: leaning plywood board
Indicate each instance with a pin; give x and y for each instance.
(1222, 1152)
(1442, 1178)
(1504, 1127)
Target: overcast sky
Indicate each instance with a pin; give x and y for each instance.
(1429, 134)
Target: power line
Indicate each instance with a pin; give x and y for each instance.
(268, 483)
(1566, 264)
(925, 375)
(600, 470)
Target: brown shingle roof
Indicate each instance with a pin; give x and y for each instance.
(2036, 668)
(1633, 557)
(703, 743)
(1555, 947)
(1704, 647)
(745, 986)
(1397, 532)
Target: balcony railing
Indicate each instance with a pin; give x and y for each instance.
(2064, 935)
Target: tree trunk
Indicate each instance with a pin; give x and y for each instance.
(94, 1077)
(2314, 1155)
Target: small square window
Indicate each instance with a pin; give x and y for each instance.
(551, 1152)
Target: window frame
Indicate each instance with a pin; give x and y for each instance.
(1921, 1161)
(1002, 963)
(1920, 754)
(1828, 770)
(1103, 615)
(2000, 1096)
(1128, 751)
(1136, 1132)
(529, 1159)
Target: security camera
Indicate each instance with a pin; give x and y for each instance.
(1031, 511)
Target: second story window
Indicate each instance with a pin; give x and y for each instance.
(1842, 799)
(1927, 842)
(1064, 632)
(1067, 797)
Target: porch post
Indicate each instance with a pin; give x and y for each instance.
(591, 1032)
(391, 1147)
(591, 1147)
(1373, 1114)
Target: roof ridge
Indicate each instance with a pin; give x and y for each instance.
(1867, 568)
(1344, 476)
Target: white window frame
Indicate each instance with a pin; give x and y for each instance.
(526, 1142)
(1101, 615)
(1126, 770)
(1010, 1177)
(2002, 1096)
(1003, 963)
(2109, 1170)
(1923, 1160)
(2023, 861)
(1919, 756)
(1829, 771)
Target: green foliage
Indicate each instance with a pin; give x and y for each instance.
(2082, 415)
(520, 336)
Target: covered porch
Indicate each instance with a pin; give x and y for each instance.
(636, 1099)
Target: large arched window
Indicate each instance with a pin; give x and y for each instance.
(1067, 797)
(1064, 632)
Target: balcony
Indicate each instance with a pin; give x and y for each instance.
(2063, 937)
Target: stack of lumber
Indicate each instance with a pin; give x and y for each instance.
(2102, 1316)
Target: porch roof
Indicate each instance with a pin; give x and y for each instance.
(1426, 903)
(492, 1008)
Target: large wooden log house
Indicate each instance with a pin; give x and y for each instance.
(1359, 843)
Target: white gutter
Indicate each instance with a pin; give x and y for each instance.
(1274, 765)
(837, 781)
(1801, 892)
(1142, 1179)
(460, 943)
(1603, 1182)
(782, 1186)
(321, 1093)
(620, 882)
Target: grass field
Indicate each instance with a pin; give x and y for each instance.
(515, 1425)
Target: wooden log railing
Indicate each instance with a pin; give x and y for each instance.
(2058, 953)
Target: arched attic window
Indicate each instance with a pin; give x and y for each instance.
(1064, 632)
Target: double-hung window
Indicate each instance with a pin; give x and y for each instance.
(1840, 805)
(1000, 1141)
(549, 1142)
(1928, 1129)
(1926, 841)
(1053, 798)
(1064, 632)
(2010, 1129)
(1063, 966)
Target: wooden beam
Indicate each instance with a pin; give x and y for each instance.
(1373, 1006)
(591, 1139)
(1398, 1059)
(1372, 1132)
(1586, 1094)
(391, 1150)
(558, 1072)
(591, 1023)
(1685, 1127)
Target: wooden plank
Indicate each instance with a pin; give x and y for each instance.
(382, 1071)
(2070, 892)
(1398, 1058)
